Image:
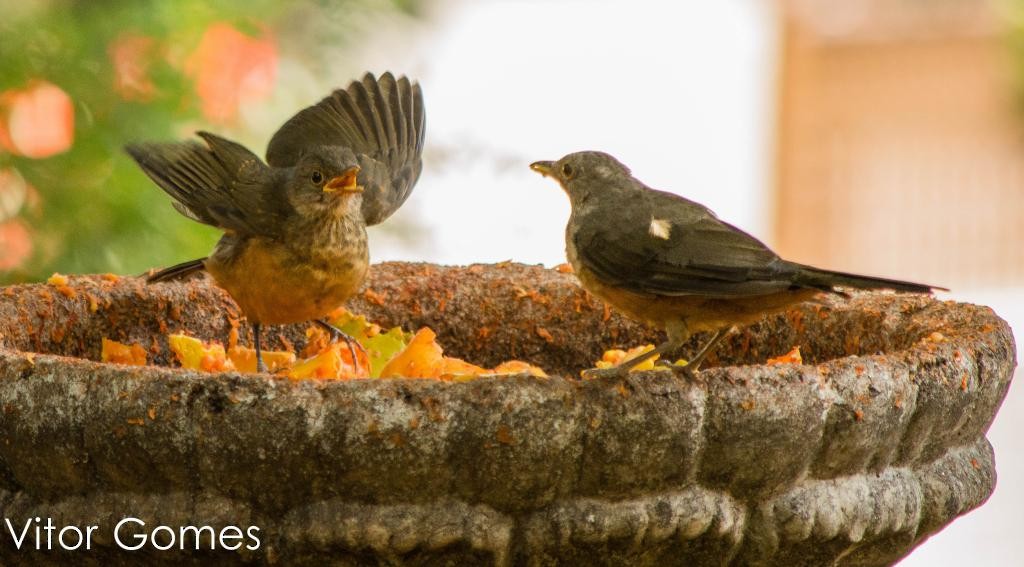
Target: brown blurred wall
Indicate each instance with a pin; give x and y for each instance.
(899, 149)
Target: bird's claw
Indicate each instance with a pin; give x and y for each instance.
(339, 335)
(352, 346)
(688, 371)
(611, 372)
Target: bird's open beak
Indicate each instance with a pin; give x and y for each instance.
(345, 183)
(544, 168)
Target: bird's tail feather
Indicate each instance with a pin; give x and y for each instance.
(177, 271)
(826, 279)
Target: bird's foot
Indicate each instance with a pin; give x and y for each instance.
(689, 372)
(260, 365)
(611, 372)
(339, 335)
(686, 369)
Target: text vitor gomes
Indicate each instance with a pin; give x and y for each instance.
(130, 534)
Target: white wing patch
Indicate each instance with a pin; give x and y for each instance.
(660, 228)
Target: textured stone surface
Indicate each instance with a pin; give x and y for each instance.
(852, 459)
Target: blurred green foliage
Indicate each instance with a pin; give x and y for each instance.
(97, 212)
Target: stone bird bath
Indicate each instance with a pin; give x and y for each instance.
(853, 458)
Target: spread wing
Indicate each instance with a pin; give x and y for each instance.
(381, 120)
(220, 184)
(662, 244)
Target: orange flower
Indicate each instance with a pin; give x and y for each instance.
(131, 55)
(15, 244)
(37, 121)
(229, 68)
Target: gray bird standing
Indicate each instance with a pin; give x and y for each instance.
(294, 245)
(668, 261)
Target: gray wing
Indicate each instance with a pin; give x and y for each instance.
(220, 184)
(381, 120)
(701, 256)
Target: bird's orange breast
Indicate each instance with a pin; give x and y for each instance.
(274, 287)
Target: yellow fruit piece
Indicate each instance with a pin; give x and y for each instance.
(614, 357)
(519, 367)
(119, 353)
(332, 363)
(244, 359)
(381, 346)
(452, 368)
(60, 281)
(421, 358)
(195, 355)
(791, 357)
(424, 358)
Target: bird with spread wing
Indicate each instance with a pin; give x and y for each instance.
(294, 246)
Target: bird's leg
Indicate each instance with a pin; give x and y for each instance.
(622, 368)
(337, 334)
(693, 365)
(677, 335)
(719, 336)
(260, 366)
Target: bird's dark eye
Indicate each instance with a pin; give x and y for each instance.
(567, 171)
(317, 177)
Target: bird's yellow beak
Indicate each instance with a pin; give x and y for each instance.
(345, 183)
(544, 168)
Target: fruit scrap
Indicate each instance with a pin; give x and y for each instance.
(233, 334)
(317, 340)
(374, 297)
(384, 355)
(614, 357)
(380, 346)
(424, 358)
(544, 334)
(60, 281)
(457, 369)
(94, 303)
(333, 363)
(791, 357)
(195, 355)
(519, 367)
(244, 359)
(119, 353)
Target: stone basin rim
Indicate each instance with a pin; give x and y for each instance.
(753, 455)
(953, 335)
